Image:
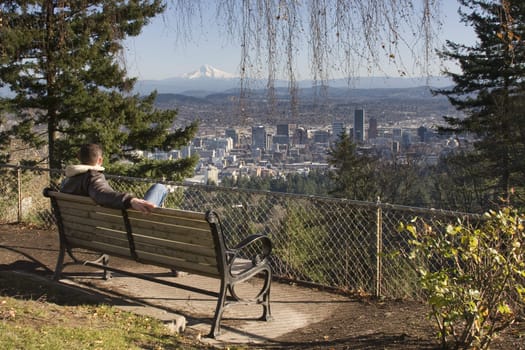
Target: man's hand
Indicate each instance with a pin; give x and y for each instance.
(142, 205)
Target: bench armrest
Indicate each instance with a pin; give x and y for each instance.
(257, 246)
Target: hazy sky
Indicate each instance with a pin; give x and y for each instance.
(156, 53)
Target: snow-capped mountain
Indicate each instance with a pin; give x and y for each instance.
(209, 79)
(207, 71)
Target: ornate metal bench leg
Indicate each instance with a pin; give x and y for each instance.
(60, 263)
(216, 322)
(267, 314)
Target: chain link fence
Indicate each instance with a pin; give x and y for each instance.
(349, 246)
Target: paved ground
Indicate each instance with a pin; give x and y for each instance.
(292, 307)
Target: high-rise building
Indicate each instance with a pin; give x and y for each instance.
(337, 129)
(372, 128)
(300, 136)
(283, 134)
(396, 133)
(283, 129)
(321, 136)
(258, 137)
(359, 125)
(269, 141)
(422, 133)
(406, 139)
(232, 133)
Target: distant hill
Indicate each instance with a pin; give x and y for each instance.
(202, 86)
(340, 95)
(208, 80)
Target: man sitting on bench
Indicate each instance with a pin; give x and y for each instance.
(87, 179)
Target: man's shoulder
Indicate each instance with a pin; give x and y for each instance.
(79, 169)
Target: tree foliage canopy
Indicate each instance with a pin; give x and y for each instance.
(61, 59)
(490, 90)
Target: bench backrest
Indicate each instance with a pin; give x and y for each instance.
(183, 240)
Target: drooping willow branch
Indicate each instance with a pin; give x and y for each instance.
(337, 35)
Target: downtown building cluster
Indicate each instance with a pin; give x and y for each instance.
(276, 150)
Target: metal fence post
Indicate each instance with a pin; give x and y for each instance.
(19, 185)
(379, 247)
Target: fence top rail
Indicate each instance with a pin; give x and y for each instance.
(362, 204)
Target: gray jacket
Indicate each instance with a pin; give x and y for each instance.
(86, 180)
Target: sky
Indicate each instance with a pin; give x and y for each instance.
(158, 54)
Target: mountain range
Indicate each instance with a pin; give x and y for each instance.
(208, 79)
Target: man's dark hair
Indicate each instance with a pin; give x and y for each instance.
(89, 153)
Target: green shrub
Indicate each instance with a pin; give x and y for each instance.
(473, 277)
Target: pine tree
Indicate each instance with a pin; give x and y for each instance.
(354, 174)
(490, 90)
(61, 60)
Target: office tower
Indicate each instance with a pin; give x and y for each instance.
(372, 128)
(421, 133)
(269, 141)
(406, 139)
(283, 134)
(283, 129)
(232, 133)
(337, 129)
(258, 137)
(359, 125)
(300, 136)
(396, 133)
(321, 136)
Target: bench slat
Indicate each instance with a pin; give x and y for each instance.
(94, 233)
(93, 214)
(197, 222)
(174, 245)
(185, 255)
(99, 247)
(187, 235)
(171, 262)
(111, 223)
(188, 214)
(88, 207)
(69, 197)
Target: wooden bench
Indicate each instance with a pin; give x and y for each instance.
(176, 239)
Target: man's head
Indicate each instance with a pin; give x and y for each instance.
(90, 154)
